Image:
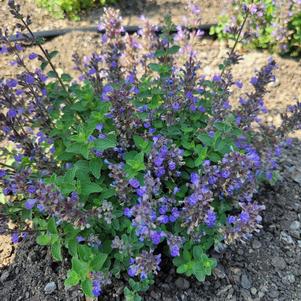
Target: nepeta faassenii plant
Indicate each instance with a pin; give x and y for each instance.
(141, 159)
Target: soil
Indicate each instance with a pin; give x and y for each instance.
(131, 10)
(266, 268)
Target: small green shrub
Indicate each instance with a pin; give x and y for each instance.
(71, 8)
(140, 163)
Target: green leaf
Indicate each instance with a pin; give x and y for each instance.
(95, 166)
(214, 157)
(142, 144)
(79, 149)
(66, 77)
(44, 65)
(80, 267)
(182, 269)
(197, 252)
(84, 252)
(56, 251)
(201, 156)
(173, 50)
(72, 279)
(88, 187)
(51, 226)
(199, 274)
(155, 67)
(205, 139)
(52, 54)
(103, 144)
(98, 261)
(87, 287)
(43, 239)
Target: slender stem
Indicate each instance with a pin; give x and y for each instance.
(48, 59)
(69, 99)
(237, 38)
(7, 166)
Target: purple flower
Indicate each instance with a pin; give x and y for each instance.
(99, 127)
(192, 199)
(12, 113)
(254, 80)
(163, 219)
(231, 219)
(156, 237)
(18, 47)
(244, 217)
(15, 238)
(225, 174)
(18, 157)
(210, 218)
(211, 134)
(41, 208)
(29, 79)
(3, 49)
(195, 178)
(74, 196)
(127, 212)
(141, 191)
(102, 136)
(176, 106)
(80, 238)
(133, 270)
(32, 56)
(91, 138)
(31, 189)
(96, 290)
(217, 78)
(134, 183)
(239, 84)
(163, 209)
(158, 161)
(171, 165)
(29, 204)
(160, 172)
(175, 251)
(2, 173)
(12, 83)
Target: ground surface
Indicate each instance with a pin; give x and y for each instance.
(267, 268)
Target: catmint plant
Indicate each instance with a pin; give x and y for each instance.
(139, 159)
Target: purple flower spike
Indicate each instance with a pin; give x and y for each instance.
(134, 183)
(29, 204)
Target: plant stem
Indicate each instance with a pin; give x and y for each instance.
(237, 38)
(49, 60)
(7, 166)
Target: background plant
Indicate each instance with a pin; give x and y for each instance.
(141, 161)
(71, 8)
(273, 25)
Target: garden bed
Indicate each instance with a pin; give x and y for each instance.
(266, 268)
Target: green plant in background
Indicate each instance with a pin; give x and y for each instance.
(71, 8)
(277, 30)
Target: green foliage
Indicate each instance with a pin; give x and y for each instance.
(71, 8)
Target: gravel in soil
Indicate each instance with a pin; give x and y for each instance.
(132, 11)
